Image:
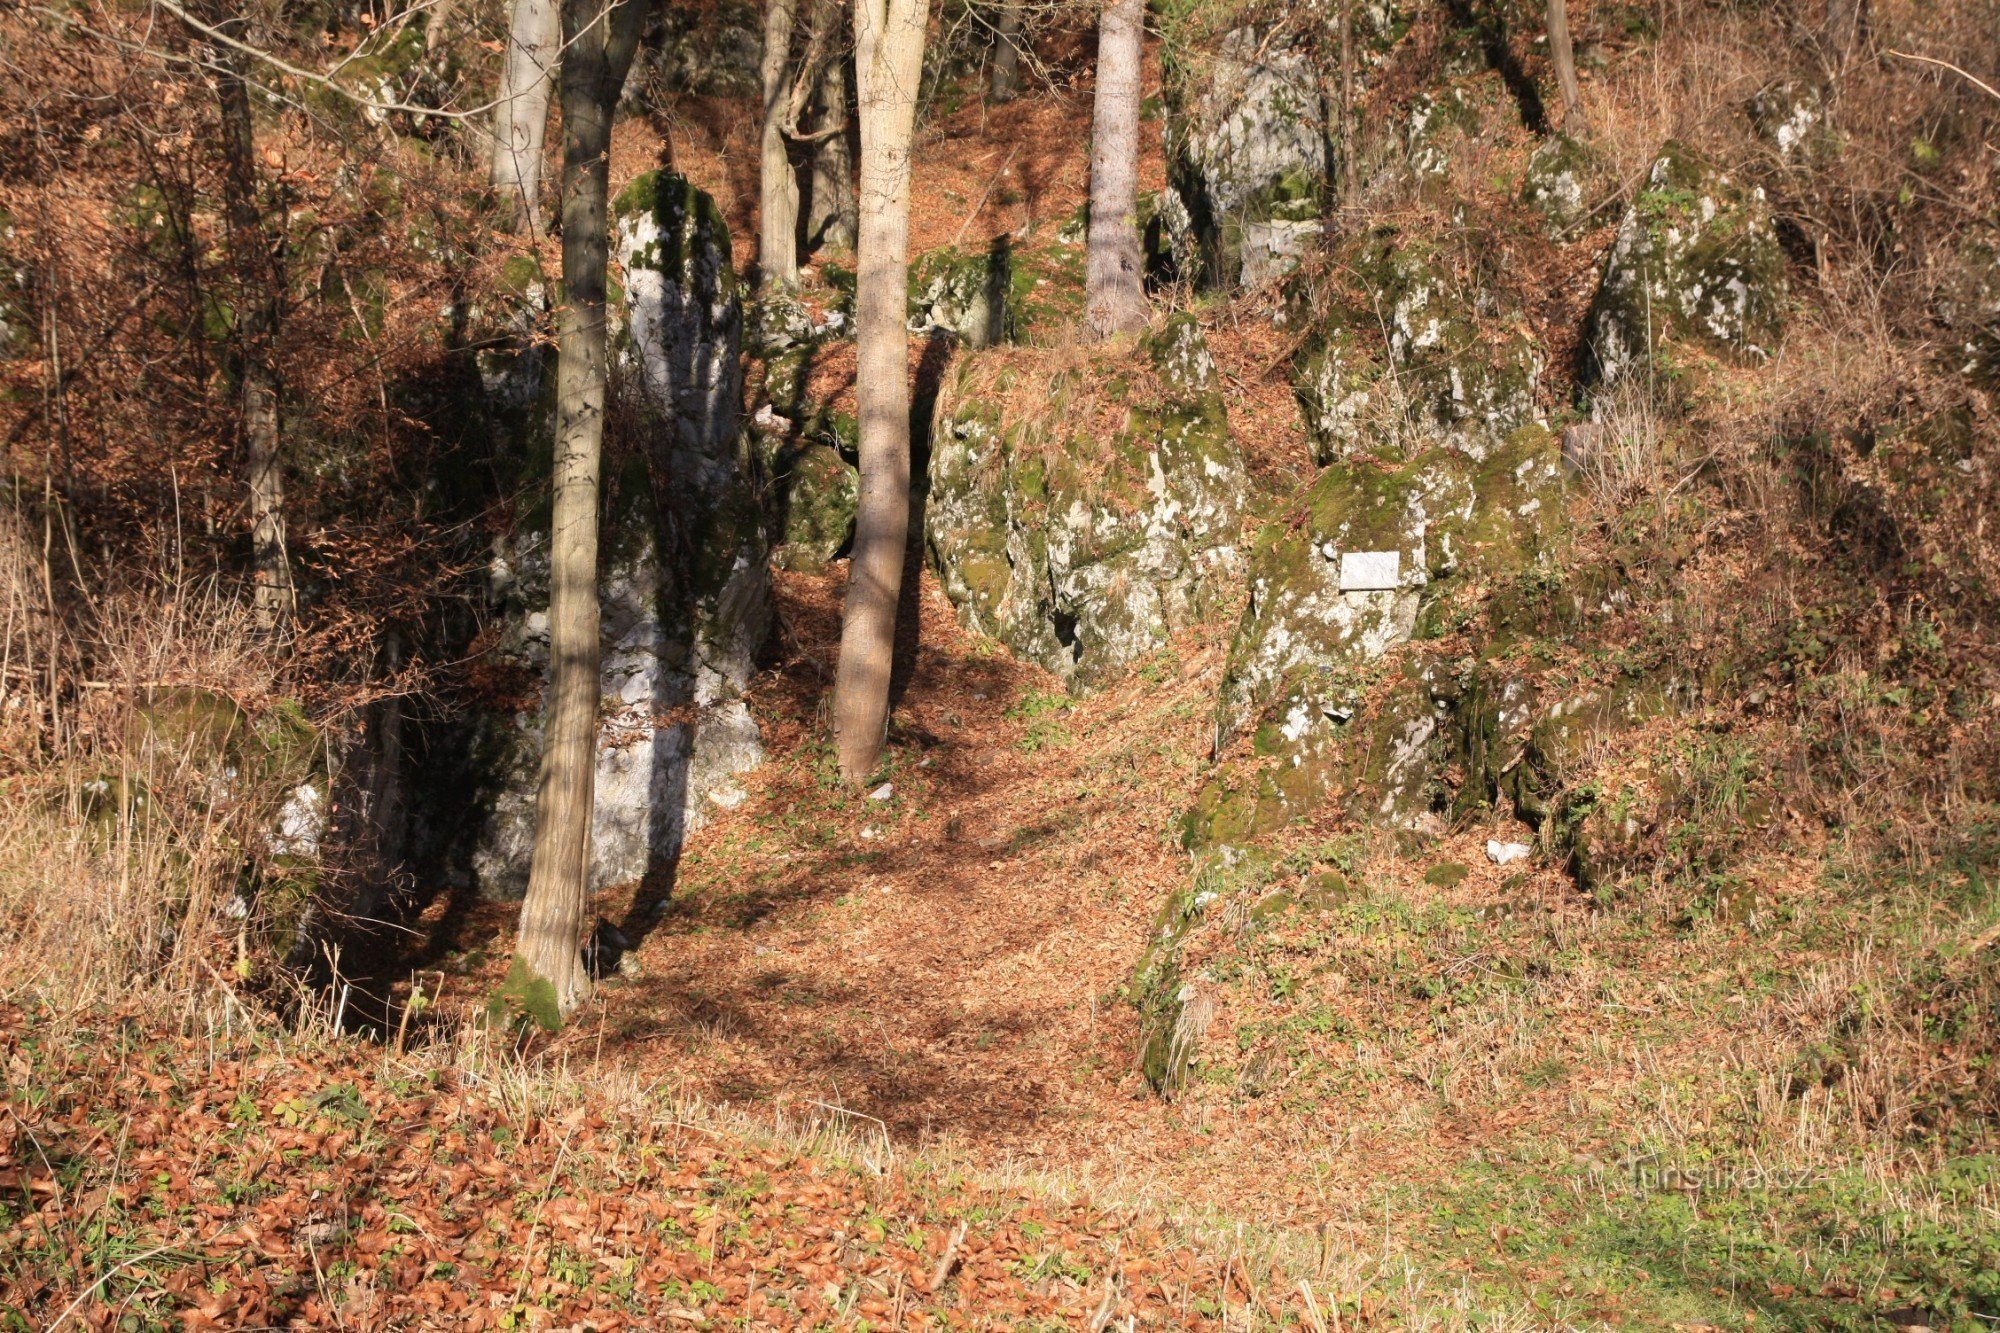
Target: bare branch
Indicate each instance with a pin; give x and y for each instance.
(1972, 79)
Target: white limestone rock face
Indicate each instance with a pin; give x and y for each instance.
(1697, 263)
(1332, 591)
(1247, 161)
(1967, 305)
(1788, 115)
(1408, 356)
(1085, 530)
(685, 595)
(1558, 180)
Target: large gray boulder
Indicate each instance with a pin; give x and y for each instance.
(1247, 161)
(1697, 263)
(1332, 590)
(1085, 516)
(1406, 355)
(684, 597)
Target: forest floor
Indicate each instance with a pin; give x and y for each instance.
(853, 1021)
(1491, 1062)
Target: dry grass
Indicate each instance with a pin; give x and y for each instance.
(127, 846)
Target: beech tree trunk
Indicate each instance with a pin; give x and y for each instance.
(1846, 23)
(1564, 59)
(778, 186)
(1114, 275)
(520, 122)
(888, 59)
(1004, 77)
(832, 220)
(1350, 135)
(548, 979)
(257, 257)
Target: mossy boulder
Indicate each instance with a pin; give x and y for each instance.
(813, 493)
(1788, 115)
(1333, 588)
(968, 293)
(1697, 262)
(1434, 125)
(684, 591)
(1558, 181)
(1408, 354)
(1174, 1013)
(1247, 161)
(1082, 514)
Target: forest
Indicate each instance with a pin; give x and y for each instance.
(1016, 664)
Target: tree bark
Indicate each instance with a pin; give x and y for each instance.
(778, 185)
(830, 216)
(1114, 276)
(520, 122)
(1350, 136)
(548, 979)
(257, 257)
(888, 59)
(1004, 77)
(1564, 59)
(832, 220)
(1846, 24)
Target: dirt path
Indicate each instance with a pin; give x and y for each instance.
(948, 959)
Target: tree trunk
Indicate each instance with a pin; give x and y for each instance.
(832, 221)
(830, 217)
(1565, 62)
(255, 255)
(521, 120)
(778, 186)
(888, 59)
(1114, 277)
(1350, 134)
(1004, 78)
(548, 979)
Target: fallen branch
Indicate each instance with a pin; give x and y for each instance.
(947, 1259)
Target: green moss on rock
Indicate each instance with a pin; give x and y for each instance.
(1697, 261)
(1081, 550)
(1407, 355)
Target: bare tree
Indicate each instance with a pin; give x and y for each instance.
(888, 60)
(778, 186)
(256, 254)
(1564, 59)
(521, 117)
(1114, 276)
(548, 979)
(822, 84)
(1004, 76)
(832, 221)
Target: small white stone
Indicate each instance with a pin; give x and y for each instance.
(870, 833)
(883, 792)
(1506, 853)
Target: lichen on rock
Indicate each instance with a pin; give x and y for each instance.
(1558, 179)
(1247, 160)
(1697, 261)
(1084, 525)
(970, 294)
(1967, 305)
(1331, 593)
(1409, 355)
(1787, 115)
